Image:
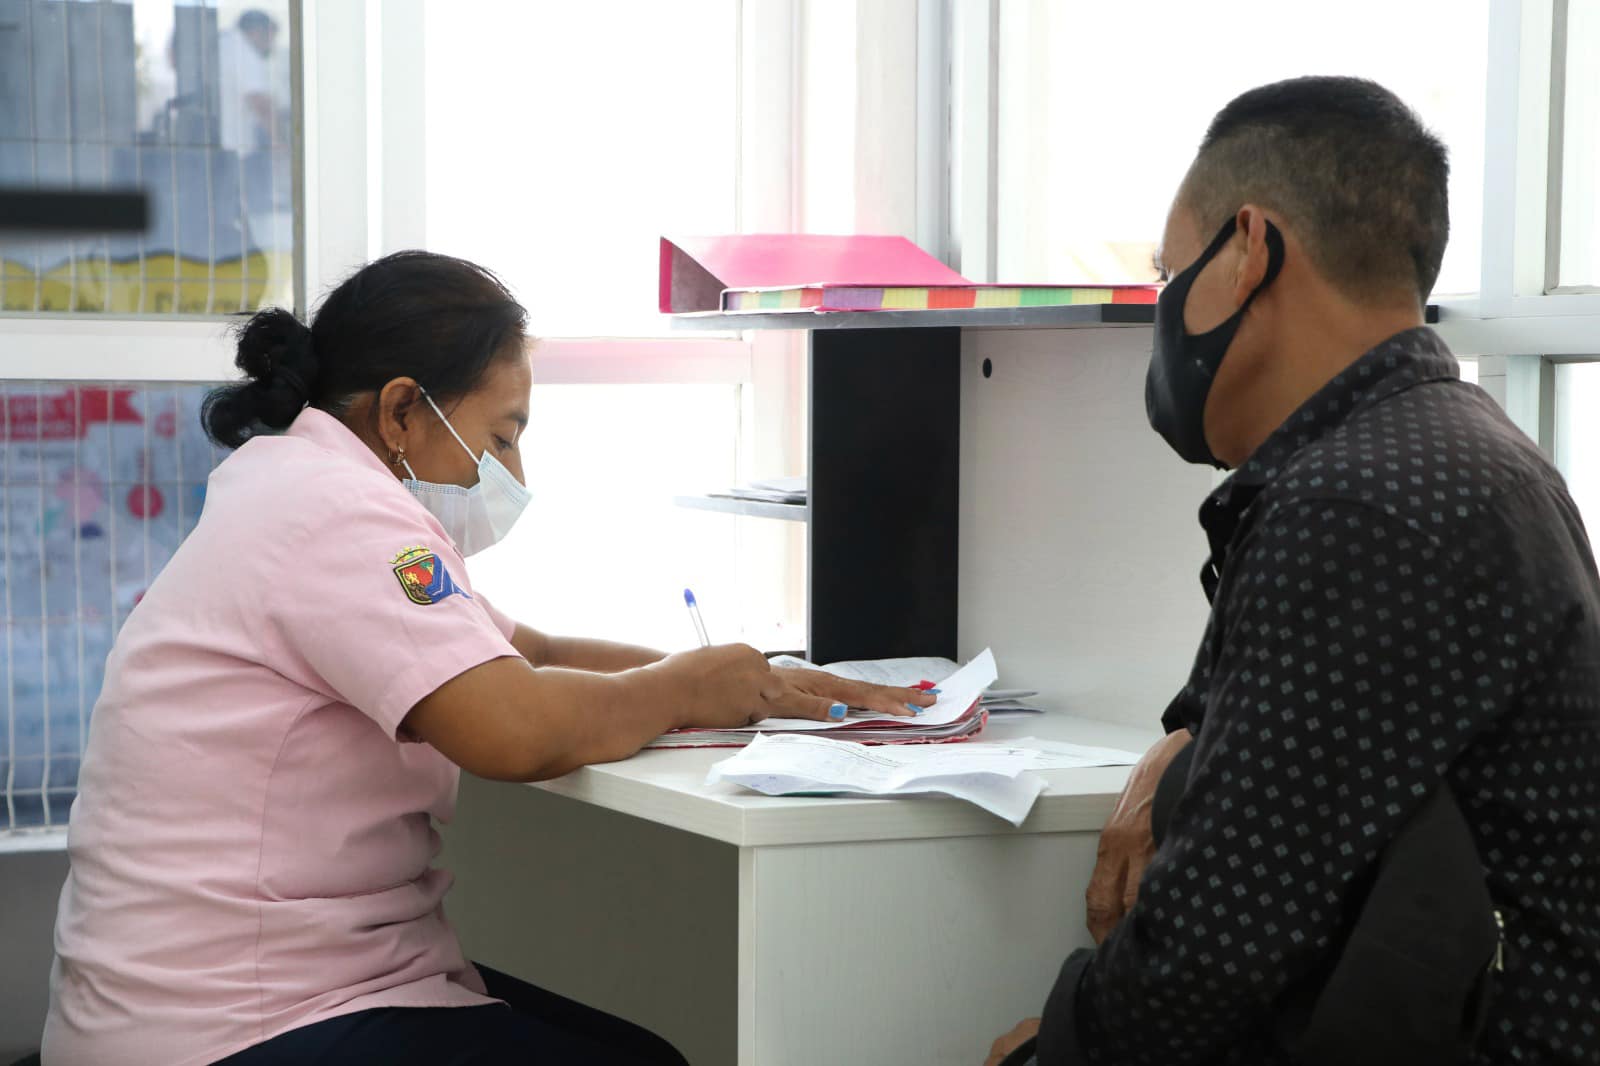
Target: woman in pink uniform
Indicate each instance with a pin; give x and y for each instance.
(287, 712)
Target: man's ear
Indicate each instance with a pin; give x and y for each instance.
(1252, 266)
(396, 406)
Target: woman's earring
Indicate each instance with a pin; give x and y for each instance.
(398, 457)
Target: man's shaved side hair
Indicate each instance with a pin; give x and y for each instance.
(1348, 165)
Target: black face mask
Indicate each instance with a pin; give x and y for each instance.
(1183, 364)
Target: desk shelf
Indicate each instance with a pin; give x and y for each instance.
(789, 512)
(1079, 316)
(882, 513)
(1073, 316)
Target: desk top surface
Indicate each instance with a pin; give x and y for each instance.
(668, 787)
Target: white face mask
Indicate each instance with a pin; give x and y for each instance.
(473, 517)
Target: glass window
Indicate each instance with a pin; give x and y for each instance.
(1580, 151)
(1103, 105)
(602, 550)
(101, 484)
(1578, 438)
(189, 101)
(564, 140)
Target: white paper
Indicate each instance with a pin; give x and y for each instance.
(791, 485)
(1006, 695)
(957, 694)
(1011, 707)
(909, 672)
(901, 672)
(1059, 755)
(994, 779)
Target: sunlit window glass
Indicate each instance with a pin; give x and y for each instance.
(1102, 107)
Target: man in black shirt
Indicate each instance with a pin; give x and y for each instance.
(1404, 608)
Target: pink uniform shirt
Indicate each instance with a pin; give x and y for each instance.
(252, 843)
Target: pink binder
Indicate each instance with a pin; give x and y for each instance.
(696, 270)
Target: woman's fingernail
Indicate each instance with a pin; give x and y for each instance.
(837, 710)
(933, 692)
(914, 708)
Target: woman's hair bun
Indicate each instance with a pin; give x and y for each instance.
(433, 318)
(276, 353)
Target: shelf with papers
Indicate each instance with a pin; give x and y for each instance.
(882, 514)
(1064, 317)
(1074, 316)
(789, 512)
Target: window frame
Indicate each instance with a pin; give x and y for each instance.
(95, 346)
(1561, 53)
(1512, 314)
(1519, 323)
(360, 144)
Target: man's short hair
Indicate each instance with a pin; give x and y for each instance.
(1348, 165)
(257, 20)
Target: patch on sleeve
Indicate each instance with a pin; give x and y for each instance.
(424, 578)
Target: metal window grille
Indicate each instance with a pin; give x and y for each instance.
(100, 485)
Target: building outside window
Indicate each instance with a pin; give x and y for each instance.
(190, 102)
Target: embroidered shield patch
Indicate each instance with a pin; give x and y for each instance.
(423, 576)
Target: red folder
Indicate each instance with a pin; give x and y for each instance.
(696, 270)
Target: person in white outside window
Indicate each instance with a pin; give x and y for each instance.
(249, 108)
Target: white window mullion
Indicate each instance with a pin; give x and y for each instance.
(72, 347)
(335, 109)
(401, 110)
(1530, 398)
(974, 136)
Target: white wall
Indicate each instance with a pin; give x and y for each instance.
(1080, 547)
(29, 886)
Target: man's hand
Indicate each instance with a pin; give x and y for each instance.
(1026, 1030)
(1126, 846)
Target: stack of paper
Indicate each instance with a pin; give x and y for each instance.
(770, 490)
(695, 270)
(1011, 701)
(958, 713)
(911, 672)
(996, 777)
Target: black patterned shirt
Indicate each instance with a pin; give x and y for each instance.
(1402, 594)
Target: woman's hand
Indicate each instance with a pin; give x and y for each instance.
(817, 694)
(721, 687)
(733, 685)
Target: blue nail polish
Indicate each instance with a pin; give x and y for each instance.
(933, 692)
(837, 710)
(914, 708)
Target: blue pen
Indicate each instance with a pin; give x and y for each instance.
(694, 616)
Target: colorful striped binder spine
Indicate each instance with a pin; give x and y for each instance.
(930, 298)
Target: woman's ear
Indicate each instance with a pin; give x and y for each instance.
(396, 408)
(1252, 266)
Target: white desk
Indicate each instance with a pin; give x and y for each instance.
(773, 930)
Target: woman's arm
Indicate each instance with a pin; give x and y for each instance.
(608, 657)
(580, 653)
(507, 721)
